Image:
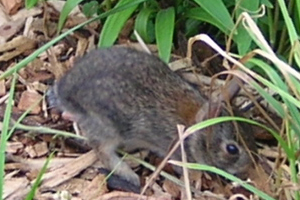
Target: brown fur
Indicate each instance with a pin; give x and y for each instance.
(129, 99)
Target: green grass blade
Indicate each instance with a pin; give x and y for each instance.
(267, 3)
(201, 15)
(164, 30)
(226, 175)
(46, 130)
(281, 92)
(144, 25)
(38, 180)
(291, 29)
(115, 23)
(296, 84)
(5, 128)
(218, 11)
(30, 3)
(297, 12)
(270, 99)
(279, 84)
(68, 7)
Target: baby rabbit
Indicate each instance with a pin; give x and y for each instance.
(124, 98)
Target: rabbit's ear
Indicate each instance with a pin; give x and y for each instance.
(213, 109)
(230, 89)
(208, 110)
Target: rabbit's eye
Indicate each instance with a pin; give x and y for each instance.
(232, 149)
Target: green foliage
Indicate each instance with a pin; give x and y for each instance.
(144, 24)
(291, 28)
(30, 3)
(164, 27)
(218, 11)
(242, 38)
(91, 8)
(201, 15)
(115, 22)
(277, 25)
(285, 81)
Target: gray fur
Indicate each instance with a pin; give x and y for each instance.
(129, 99)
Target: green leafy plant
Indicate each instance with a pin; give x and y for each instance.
(30, 3)
(191, 17)
(164, 26)
(114, 24)
(91, 8)
(279, 77)
(38, 180)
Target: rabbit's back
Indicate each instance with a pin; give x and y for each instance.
(122, 83)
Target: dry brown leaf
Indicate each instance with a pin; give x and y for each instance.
(81, 47)
(29, 98)
(127, 196)
(159, 193)
(95, 188)
(35, 164)
(25, 13)
(4, 18)
(271, 152)
(37, 86)
(16, 188)
(54, 66)
(69, 170)
(13, 147)
(2, 88)
(38, 25)
(16, 47)
(41, 149)
(172, 188)
(74, 186)
(9, 29)
(30, 151)
(12, 6)
(261, 180)
(59, 4)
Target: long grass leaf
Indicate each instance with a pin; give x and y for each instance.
(114, 24)
(68, 7)
(164, 30)
(293, 36)
(38, 180)
(218, 11)
(144, 26)
(5, 128)
(201, 15)
(224, 174)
